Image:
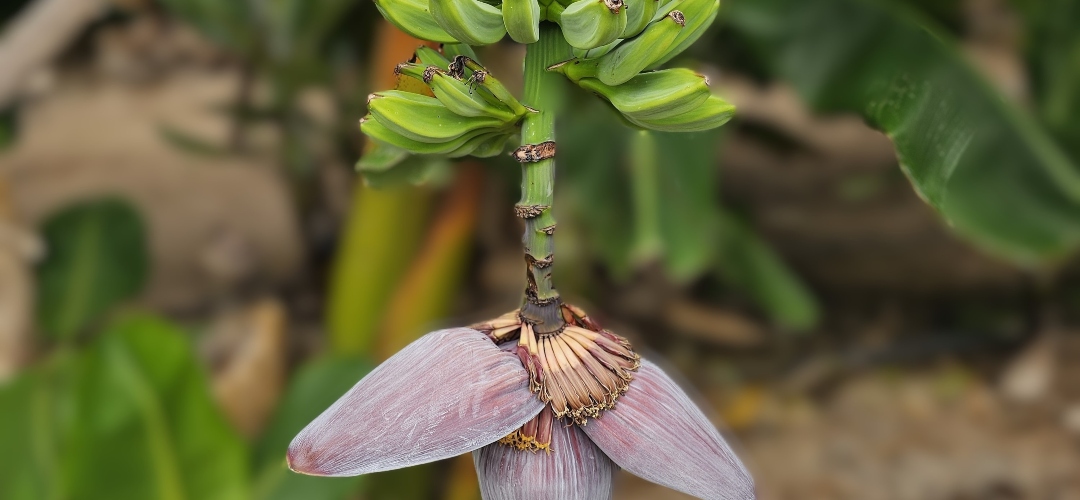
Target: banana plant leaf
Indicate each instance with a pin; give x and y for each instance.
(97, 257)
(987, 167)
(129, 418)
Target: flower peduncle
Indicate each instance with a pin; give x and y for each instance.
(537, 156)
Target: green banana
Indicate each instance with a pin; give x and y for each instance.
(700, 15)
(492, 147)
(482, 141)
(383, 134)
(452, 50)
(413, 17)
(654, 95)
(712, 113)
(638, 15)
(522, 20)
(596, 52)
(422, 118)
(478, 76)
(638, 53)
(471, 22)
(458, 96)
(428, 56)
(587, 24)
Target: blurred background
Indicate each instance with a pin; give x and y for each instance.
(191, 266)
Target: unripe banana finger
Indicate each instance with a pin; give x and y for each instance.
(383, 134)
(654, 95)
(458, 96)
(422, 118)
(492, 147)
(713, 113)
(636, 54)
(596, 52)
(700, 15)
(482, 143)
(452, 50)
(471, 22)
(473, 73)
(638, 15)
(522, 20)
(428, 56)
(587, 24)
(413, 17)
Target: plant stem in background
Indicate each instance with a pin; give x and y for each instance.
(645, 185)
(543, 92)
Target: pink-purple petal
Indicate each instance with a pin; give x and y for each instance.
(448, 393)
(657, 433)
(575, 469)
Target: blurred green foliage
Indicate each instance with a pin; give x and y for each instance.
(1053, 56)
(653, 196)
(127, 413)
(985, 165)
(130, 417)
(97, 256)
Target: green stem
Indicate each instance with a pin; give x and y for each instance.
(543, 92)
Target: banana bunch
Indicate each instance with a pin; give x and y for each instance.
(469, 112)
(662, 33)
(671, 100)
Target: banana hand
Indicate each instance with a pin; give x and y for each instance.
(424, 119)
(654, 95)
(712, 113)
(459, 97)
(522, 20)
(471, 22)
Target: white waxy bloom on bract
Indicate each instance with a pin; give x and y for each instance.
(454, 391)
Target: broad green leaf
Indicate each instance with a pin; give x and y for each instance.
(97, 256)
(985, 166)
(314, 388)
(144, 424)
(33, 430)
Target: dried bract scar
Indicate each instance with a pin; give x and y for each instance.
(532, 153)
(580, 369)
